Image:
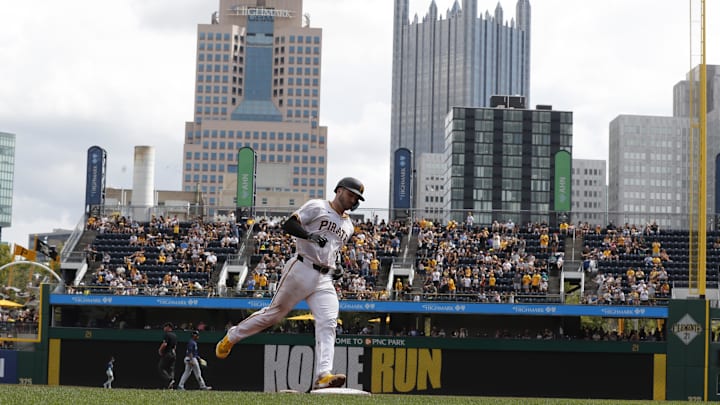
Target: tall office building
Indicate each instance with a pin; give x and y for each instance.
(257, 85)
(431, 171)
(7, 174)
(648, 170)
(589, 191)
(507, 163)
(459, 60)
(650, 158)
(682, 108)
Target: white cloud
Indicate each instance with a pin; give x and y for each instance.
(361, 149)
(119, 74)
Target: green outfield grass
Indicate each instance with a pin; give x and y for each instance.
(41, 394)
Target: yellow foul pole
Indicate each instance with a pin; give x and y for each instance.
(702, 191)
(702, 164)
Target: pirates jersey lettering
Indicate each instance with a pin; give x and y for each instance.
(326, 225)
(318, 216)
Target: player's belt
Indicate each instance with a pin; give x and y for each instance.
(321, 269)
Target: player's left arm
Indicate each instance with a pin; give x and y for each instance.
(293, 227)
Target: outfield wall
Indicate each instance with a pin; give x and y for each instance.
(686, 366)
(408, 365)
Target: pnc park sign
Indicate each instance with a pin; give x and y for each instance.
(687, 329)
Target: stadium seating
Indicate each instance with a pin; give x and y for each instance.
(184, 275)
(451, 245)
(674, 243)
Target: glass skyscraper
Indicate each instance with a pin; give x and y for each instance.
(460, 60)
(257, 85)
(507, 163)
(7, 174)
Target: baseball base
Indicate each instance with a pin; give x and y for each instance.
(349, 391)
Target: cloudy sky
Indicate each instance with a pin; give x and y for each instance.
(79, 73)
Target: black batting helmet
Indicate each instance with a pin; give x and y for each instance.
(353, 185)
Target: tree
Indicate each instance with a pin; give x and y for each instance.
(5, 255)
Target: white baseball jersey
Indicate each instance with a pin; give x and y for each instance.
(302, 281)
(318, 216)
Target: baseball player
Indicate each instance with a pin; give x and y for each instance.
(109, 373)
(321, 228)
(166, 365)
(192, 363)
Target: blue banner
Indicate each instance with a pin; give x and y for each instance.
(402, 178)
(95, 181)
(8, 367)
(605, 311)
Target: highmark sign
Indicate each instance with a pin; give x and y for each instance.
(260, 12)
(652, 312)
(687, 329)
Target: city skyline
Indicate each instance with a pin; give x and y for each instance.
(80, 78)
(459, 59)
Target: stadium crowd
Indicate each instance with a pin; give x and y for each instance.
(629, 265)
(163, 256)
(498, 263)
(483, 264)
(361, 257)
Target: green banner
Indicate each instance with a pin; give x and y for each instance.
(246, 178)
(563, 180)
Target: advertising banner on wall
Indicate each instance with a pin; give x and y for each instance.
(8, 367)
(402, 178)
(96, 168)
(246, 177)
(468, 308)
(687, 341)
(375, 364)
(563, 179)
